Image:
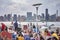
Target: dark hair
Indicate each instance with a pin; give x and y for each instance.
(52, 32)
(54, 38)
(21, 35)
(6, 28)
(57, 31)
(34, 26)
(46, 30)
(41, 38)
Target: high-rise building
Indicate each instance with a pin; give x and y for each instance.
(53, 17)
(35, 16)
(47, 15)
(9, 17)
(18, 18)
(43, 16)
(5, 17)
(38, 17)
(58, 18)
(1, 18)
(29, 15)
(23, 18)
(14, 17)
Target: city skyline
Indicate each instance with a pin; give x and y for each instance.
(23, 6)
(30, 17)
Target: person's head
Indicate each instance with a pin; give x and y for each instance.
(57, 31)
(2, 24)
(46, 30)
(5, 29)
(20, 35)
(34, 26)
(52, 32)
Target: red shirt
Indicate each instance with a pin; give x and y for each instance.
(3, 26)
(48, 34)
(5, 33)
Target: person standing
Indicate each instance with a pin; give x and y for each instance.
(16, 25)
(3, 26)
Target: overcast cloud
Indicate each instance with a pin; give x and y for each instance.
(22, 6)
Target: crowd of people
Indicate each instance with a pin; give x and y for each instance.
(15, 33)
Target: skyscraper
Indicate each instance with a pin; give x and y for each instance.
(47, 15)
(18, 18)
(5, 17)
(14, 17)
(35, 16)
(9, 17)
(43, 16)
(23, 18)
(53, 17)
(29, 15)
(1, 18)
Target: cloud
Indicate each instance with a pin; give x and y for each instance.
(20, 1)
(3, 5)
(22, 6)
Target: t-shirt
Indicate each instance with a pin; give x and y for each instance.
(4, 33)
(13, 35)
(26, 37)
(20, 38)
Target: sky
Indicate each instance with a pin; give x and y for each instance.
(23, 6)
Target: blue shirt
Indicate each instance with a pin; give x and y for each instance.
(13, 35)
(26, 37)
